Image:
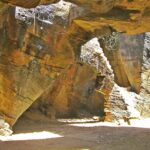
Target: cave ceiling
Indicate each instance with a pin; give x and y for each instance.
(130, 16)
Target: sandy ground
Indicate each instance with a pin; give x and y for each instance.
(78, 136)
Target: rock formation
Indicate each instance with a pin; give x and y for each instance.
(28, 56)
(47, 58)
(144, 104)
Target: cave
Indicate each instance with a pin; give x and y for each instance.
(74, 74)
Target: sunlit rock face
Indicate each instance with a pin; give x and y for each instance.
(93, 54)
(111, 46)
(45, 13)
(124, 105)
(144, 104)
(4, 128)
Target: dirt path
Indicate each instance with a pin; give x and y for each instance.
(76, 137)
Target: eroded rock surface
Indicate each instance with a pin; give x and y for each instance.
(47, 57)
(123, 104)
(30, 62)
(144, 104)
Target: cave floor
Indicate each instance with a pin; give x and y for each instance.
(48, 135)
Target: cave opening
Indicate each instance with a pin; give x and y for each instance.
(74, 75)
